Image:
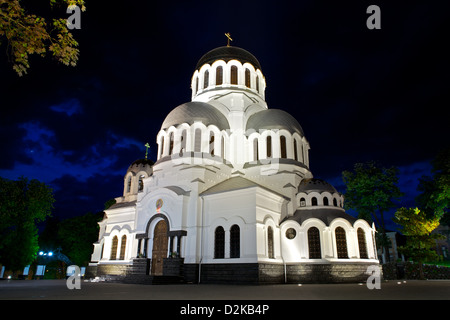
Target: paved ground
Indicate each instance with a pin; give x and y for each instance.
(57, 290)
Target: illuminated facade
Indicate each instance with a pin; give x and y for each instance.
(231, 197)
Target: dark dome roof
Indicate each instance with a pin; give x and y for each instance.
(274, 119)
(228, 53)
(310, 185)
(141, 165)
(196, 111)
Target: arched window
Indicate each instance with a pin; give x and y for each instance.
(235, 241)
(283, 147)
(114, 244)
(219, 75)
(362, 244)
(325, 201)
(295, 150)
(211, 143)
(171, 143)
(314, 243)
(314, 201)
(335, 202)
(257, 83)
(219, 243)
(222, 147)
(141, 183)
(183, 142)
(270, 248)
(198, 140)
(234, 75)
(196, 85)
(341, 243)
(247, 78)
(129, 184)
(123, 245)
(206, 79)
(162, 147)
(255, 149)
(302, 202)
(269, 146)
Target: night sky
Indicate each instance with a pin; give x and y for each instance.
(358, 94)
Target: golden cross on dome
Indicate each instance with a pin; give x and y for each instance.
(229, 38)
(147, 146)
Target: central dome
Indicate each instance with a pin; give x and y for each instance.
(228, 53)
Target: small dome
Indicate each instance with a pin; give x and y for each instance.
(317, 185)
(141, 165)
(228, 53)
(274, 119)
(196, 111)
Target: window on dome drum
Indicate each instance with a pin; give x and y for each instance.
(341, 243)
(314, 243)
(269, 146)
(270, 248)
(234, 75)
(219, 75)
(295, 150)
(335, 202)
(302, 202)
(198, 140)
(314, 201)
(114, 244)
(183, 142)
(211, 143)
(235, 241)
(222, 148)
(325, 201)
(141, 183)
(196, 85)
(283, 147)
(123, 245)
(255, 149)
(206, 79)
(257, 83)
(129, 184)
(247, 78)
(362, 244)
(219, 243)
(162, 147)
(171, 143)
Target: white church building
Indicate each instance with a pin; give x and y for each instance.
(230, 197)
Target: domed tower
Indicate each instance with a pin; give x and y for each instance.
(134, 178)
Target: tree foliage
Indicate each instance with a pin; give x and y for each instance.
(417, 227)
(434, 198)
(23, 204)
(27, 34)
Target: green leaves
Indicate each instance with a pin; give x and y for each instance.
(30, 34)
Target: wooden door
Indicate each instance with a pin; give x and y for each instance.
(160, 245)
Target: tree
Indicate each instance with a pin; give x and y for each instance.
(28, 34)
(417, 227)
(434, 198)
(23, 203)
(372, 190)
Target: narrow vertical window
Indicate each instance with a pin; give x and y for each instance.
(362, 244)
(219, 243)
(257, 83)
(247, 78)
(235, 241)
(295, 150)
(196, 85)
(314, 243)
(270, 248)
(206, 79)
(211, 143)
(325, 201)
(171, 143)
(141, 183)
(114, 244)
(269, 146)
(222, 147)
(123, 245)
(234, 75)
(341, 243)
(162, 147)
(219, 75)
(335, 202)
(198, 140)
(314, 201)
(283, 147)
(129, 184)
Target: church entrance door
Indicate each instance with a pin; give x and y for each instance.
(160, 245)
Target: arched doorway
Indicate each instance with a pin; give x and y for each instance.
(160, 245)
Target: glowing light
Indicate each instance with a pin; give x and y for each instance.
(41, 253)
(50, 254)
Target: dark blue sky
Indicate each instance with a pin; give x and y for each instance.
(359, 94)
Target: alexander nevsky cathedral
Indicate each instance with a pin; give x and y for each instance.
(230, 198)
